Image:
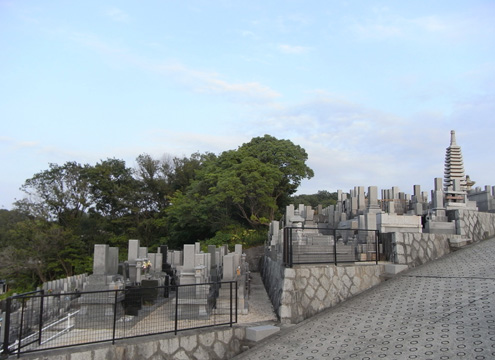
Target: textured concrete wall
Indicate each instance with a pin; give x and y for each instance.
(309, 290)
(414, 249)
(475, 225)
(221, 343)
(272, 273)
(302, 291)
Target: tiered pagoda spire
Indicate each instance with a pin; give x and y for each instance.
(454, 167)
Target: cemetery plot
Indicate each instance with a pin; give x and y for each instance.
(314, 245)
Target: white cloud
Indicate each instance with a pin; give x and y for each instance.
(117, 15)
(212, 83)
(292, 23)
(470, 25)
(96, 43)
(181, 143)
(197, 80)
(291, 49)
(249, 34)
(377, 31)
(431, 24)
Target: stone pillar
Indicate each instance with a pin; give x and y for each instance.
(289, 214)
(143, 252)
(373, 206)
(361, 198)
(238, 249)
(438, 195)
(189, 257)
(164, 252)
(417, 194)
(229, 267)
(100, 259)
(113, 260)
(302, 210)
(133, 250)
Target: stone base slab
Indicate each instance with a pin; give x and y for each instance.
(258, 333)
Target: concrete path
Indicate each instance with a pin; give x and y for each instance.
(441, 310)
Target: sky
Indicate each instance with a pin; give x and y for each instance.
(370, 89)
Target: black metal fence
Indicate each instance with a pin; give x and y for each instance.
(303, 245)
(38, 321)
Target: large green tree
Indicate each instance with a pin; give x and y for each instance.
(246, 186)
(113, 188)
(60, 193)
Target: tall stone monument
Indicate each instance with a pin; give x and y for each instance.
(454, 166)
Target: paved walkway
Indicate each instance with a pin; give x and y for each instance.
(441, 310)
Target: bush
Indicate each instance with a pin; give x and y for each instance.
(236, 234)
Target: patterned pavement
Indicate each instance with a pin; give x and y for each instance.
(441, 310)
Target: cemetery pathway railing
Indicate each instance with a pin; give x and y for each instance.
(313, 245)
(38, 321)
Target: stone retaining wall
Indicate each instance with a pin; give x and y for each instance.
(414, 249)
(475, 225)
(272, 274)
(221, 343)
(302, 291)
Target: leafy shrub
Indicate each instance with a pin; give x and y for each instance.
(236, 234)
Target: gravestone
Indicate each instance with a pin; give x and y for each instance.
(98, 309)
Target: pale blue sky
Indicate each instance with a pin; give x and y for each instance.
(371, 89)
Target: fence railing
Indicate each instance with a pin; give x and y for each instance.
(304, 245)
(38, 321)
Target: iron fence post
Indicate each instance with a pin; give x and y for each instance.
(290, 247)
(286, 247)
(231, 305)
(377, 235)
(335, 246)
(114, 316)
(41, 315)
(236, 302)
(176, 308)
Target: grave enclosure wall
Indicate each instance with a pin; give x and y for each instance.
(302, 291)
(221, 343)
(414, 249)
(475, 225)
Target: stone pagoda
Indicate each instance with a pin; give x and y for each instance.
(454, 167)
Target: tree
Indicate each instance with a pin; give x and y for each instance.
(8, 221)
(322, 197)
(243, 186)
(112, 188)
(39, 251)
(183, 171)
(152, 175)
(290, 160)
(60, 193)
(260, 176)
(248, 185)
